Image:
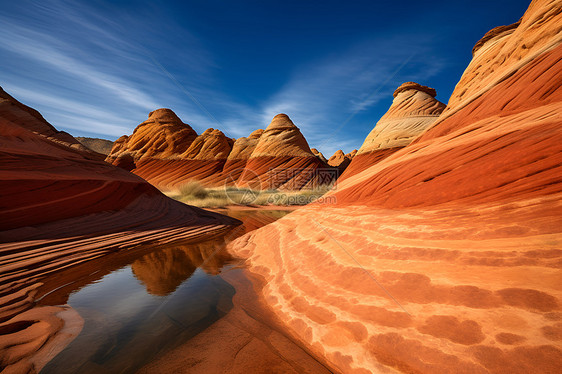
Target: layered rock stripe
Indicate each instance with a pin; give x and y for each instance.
(446, 255)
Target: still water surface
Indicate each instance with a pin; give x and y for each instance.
(151, 303)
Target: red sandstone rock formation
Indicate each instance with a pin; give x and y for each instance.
(19, 114)
(238, 157)
(202, 161)
(445, 256)
(283, 159)
(413, 110)
(60, 205)
(167, 161)
(341, 160)
(162, 135)
(319, 154)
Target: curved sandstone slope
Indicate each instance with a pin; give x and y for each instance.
(162, 135)
(203, 161)
(283, 159)
(413, 110)
(61, 206)
(445, 256)
(19, 114)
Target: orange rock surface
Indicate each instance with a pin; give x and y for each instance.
(341, 160)
(203, 161)
(238, 157)
(60, 206)
(413, 110)
(319, 154)
(216, 160)
(162, 135)
(283, 159)
(445, 256)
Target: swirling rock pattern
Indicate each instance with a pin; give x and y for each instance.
(413, 110)
(282, 159)
(319, 154)
(238, 157)
(446, 255)
(203, 160)
(163, 134)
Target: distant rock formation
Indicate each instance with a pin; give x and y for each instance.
(203, 160)
(162, 135)
(239, 156)
(445, 256)
(341, 160)
(318, 154)
(98, 145)
(216, 160)
(282, 159)
(413, 110)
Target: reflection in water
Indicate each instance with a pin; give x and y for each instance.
(150, 304)
(162, 271)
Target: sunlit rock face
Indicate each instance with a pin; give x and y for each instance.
(282, 159)
(203, 161)
(241, 152)
(444, 256)
(318, 154)
(340, 160)
(168, 160)
(162, 135)
(413, 110)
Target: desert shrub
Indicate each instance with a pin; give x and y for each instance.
(193, 189)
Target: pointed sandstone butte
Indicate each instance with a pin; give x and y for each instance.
(283, 159)
(163, 136)
(339, 158)
(319, 154)
(461, 230)
(211, 145)
(238, 157)
(203, 161)
(282, 138)
(413, 110)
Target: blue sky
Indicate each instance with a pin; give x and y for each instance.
(96, 68)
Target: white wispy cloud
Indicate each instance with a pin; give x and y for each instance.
(323, 96)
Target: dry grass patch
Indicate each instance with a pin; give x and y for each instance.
(195, 193)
